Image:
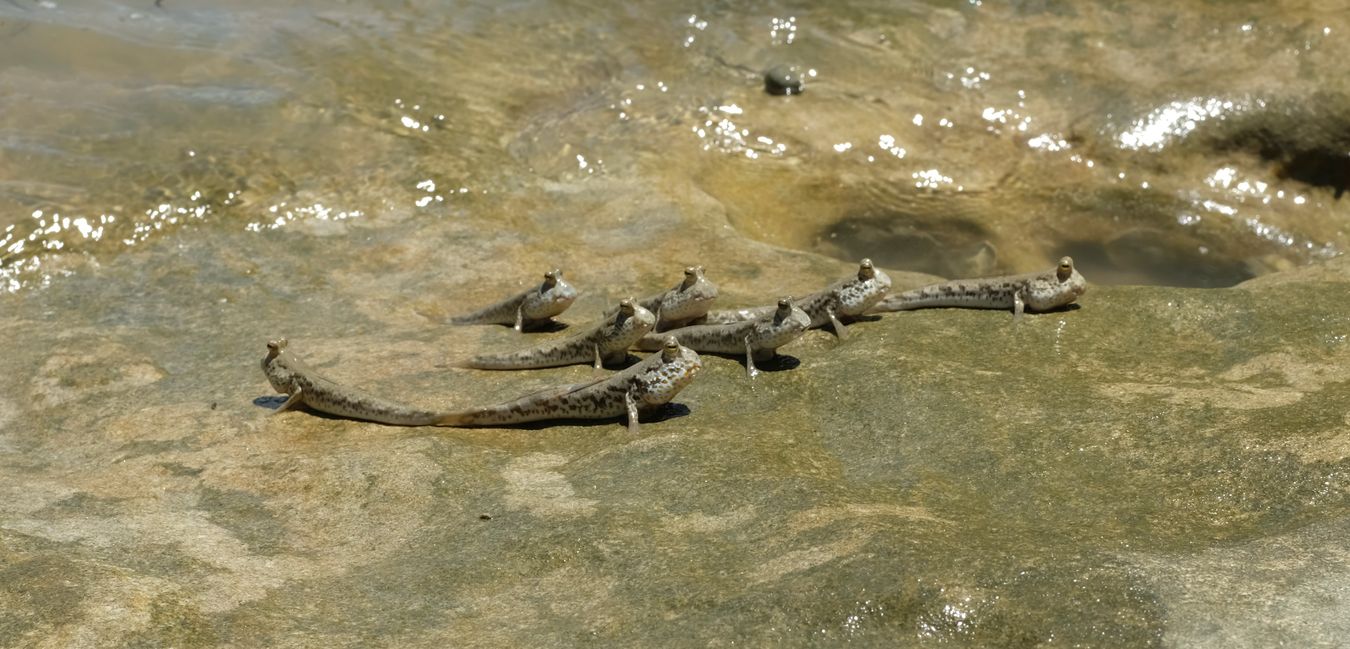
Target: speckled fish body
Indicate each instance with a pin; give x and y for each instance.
(651, 383)
(761, 336)
(529, 308)
(757, 339)
(686, 302)
(290, 375)
(1040, 291)
(848, 298)
(606, 342)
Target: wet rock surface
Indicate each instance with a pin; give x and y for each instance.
(1103, 475)
(1156, 467)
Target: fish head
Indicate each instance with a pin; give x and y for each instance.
(554, 296)
(279, 366)
(1055, 289)
(692, 274)
(641, 320)
(786, 324)
(856, 296)
(691, 299)
(790, 317)
(1069, 277)
(677, 367)
(866, 270)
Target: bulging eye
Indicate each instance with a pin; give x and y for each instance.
(1065, 269)
(670, 348)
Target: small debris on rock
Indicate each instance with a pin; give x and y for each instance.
(783, 80)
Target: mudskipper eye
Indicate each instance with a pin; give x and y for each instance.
(670, 349)
(1065, 269)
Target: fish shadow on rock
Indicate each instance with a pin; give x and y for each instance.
(627, 362)
(270, 402)
(670, 410)
(870, 317)
(779, 363)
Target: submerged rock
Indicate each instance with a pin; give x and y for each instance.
(783, 80)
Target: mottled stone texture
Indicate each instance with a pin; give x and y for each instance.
(1158, 467)
(183, 180)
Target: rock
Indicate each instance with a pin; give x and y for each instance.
(945, 473)
(783, 80)
(1157, 467)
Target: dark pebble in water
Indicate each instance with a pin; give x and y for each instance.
(783, 80)
(485, 517)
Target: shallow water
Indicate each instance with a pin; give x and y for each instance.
(1160, 467)
(1197, 146)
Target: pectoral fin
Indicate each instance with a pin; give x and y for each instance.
(750, 360)
(1018, 306)
(632, 412)
(838, 326)
(290, 402)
